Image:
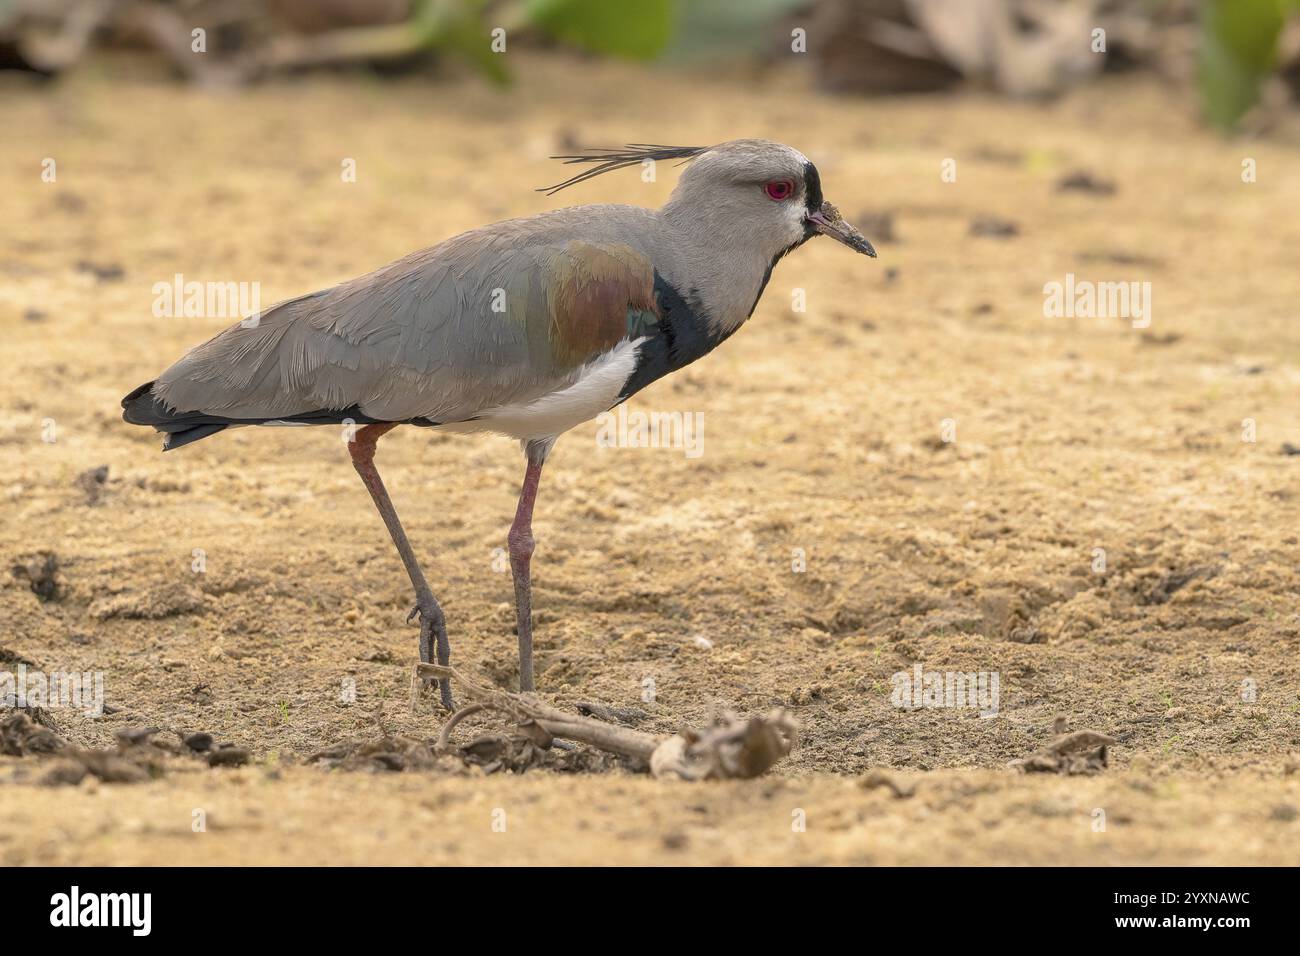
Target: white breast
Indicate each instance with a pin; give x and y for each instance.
(595, 390)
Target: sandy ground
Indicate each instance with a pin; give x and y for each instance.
(1099, 534)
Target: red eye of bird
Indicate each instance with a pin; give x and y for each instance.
(779, 189)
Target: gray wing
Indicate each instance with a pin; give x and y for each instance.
(496, 316)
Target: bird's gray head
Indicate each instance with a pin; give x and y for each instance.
(760, 188)
(750, 191)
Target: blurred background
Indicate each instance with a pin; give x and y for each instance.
(1241, 56)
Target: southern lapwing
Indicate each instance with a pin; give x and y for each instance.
(526, 327)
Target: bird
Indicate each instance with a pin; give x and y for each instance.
(526, 328)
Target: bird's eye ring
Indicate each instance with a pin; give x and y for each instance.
(779, 189)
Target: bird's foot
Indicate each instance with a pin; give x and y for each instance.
(433, 638)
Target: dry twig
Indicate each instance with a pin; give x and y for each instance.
(732, 748)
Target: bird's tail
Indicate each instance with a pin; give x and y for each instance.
(142, 407)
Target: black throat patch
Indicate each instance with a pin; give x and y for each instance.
(681, 336)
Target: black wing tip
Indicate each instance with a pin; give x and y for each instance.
(142, 407)
(608, 160)
(135, 393)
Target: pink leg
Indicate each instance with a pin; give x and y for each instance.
(521, 555)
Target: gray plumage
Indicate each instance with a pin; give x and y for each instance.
(416, 338)
(470, 324)
(526, 327)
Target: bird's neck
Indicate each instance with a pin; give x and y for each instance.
(725, 269)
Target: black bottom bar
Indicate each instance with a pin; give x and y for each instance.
(1149, 904)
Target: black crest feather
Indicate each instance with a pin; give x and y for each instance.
(608, 160)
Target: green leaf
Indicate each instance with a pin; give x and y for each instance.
(729, 28)
(1239, 40)
(456, 26)
(637, 29)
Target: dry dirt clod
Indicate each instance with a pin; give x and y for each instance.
(1081, 752)
(622, 715)
(387, 754)
(228, 755)
(879, 778)
(1174, 581)
(111, 768)
(994, 227)
(1027, 635)
(200, 742)
(139, 755)
(102, 271)
(1079, 740)
(21, 736)
(10, 658)
(1084, 182)
(92, 482)
(40, 570)
(131, 736)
